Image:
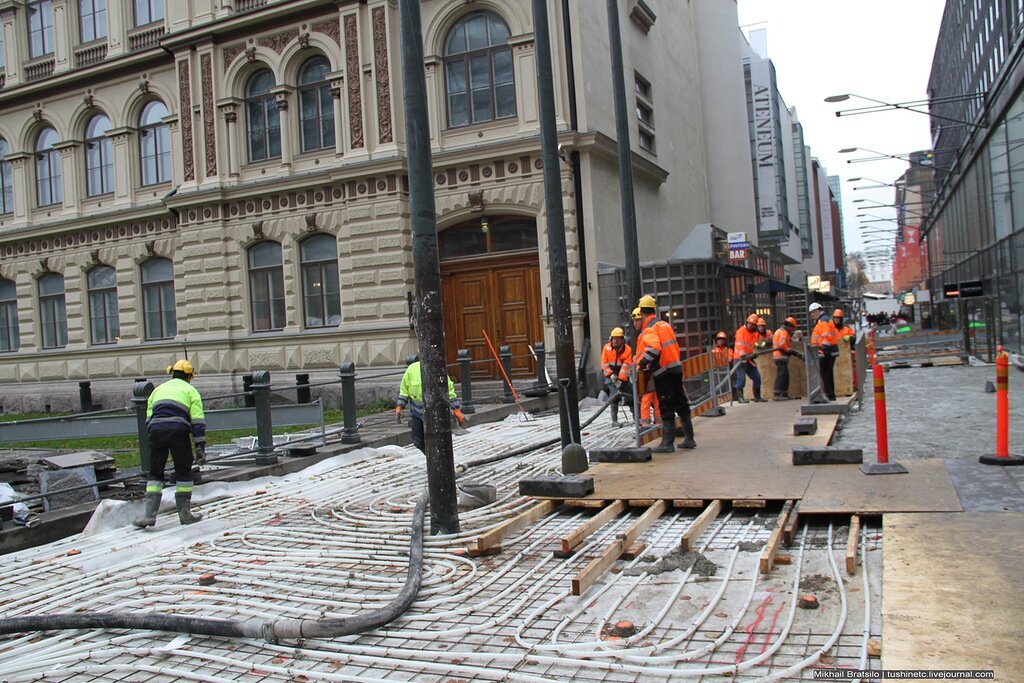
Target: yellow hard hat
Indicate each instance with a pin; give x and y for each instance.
(183, 366)
(647, 301)
(616, 332)
(637, 315)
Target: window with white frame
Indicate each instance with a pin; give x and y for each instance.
(10, 334)
(148, 11)
(154, 144)
(479, 79)
(40, 27)
(53, 318)
(99, 157)
(48, 177)
(92, 20)
(266, 286)
(105, 325)
(644, 112)
(316, 106)
(158, 310)
(321, 295)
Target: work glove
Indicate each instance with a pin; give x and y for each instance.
(645, 364)
(617, 381)
(459, 416)
(200, 458)
(398, 413)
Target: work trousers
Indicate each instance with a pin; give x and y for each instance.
(745, 370)
(621, 396)
(828, 384)
(671, 395)
(177, 443)
(418, 438)
(782, 377)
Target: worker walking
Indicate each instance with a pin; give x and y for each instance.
(650, 410)
(173, 412)
(824, 338)
(744, 347)
(781, 351)
(657, 352)
(410, 393)
(616, 362)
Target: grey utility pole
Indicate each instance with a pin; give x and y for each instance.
(444, 510)
(564, 352)
(628, 202)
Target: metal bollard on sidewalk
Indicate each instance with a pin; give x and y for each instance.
(85, 396)
(264, 421)
(140, 397)
(883, 466)
(505, 355)
(1002, 455)
(303, 394)
(248, 398)
(350, 431)
(466, 380)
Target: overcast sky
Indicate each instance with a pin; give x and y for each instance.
(877, 48)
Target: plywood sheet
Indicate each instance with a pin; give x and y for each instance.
(927, 487)
(952, 598)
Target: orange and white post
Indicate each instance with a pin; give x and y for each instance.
(883, 466)
(1002, 455)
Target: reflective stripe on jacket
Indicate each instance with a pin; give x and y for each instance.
(780, 344)
(658, 344)
(845, 331)
(744, 342)
(824, 334)
(616, 362)
(410, 391)
(176, 405)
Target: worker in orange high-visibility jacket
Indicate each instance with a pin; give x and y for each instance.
(824, 338)
(721, 352)
(844, 333)
(744, 347)
(765, 341)
(657, 352)
(650, 410)
(781, 351)
(616, 362)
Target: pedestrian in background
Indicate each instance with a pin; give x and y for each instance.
(410, 393)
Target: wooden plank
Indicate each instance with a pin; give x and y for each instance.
(585, 502)
(688, 503)
(772, 546)
(756, 503)
(700, 524)
(633, 551)
(789, 531)
(600, 565)
(851, 545)
(641, 502)
(520, 521)
(570, 542)
(843, 489)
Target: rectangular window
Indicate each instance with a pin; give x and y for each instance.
(9, 334)
(644, 112)
(40, 28)
(148, 11)
(54, 321)
(92, 20)
(267, 299)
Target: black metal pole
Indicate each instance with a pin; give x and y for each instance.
(631, 251)
(466, 379)
(141, 390)
(569, 418)
(444, 509)
(264, 419)
(350, 432)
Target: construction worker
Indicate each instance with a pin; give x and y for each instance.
(781, 351)
(744, 348)
(410, 393)
(824, 337)
(650, 410)
(844, 332)
(173, 412)
(657, 352)
(765, 335)
(721, 352)
(616, 362)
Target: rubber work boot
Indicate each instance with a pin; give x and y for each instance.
(668, 437)
(183, 501)
(152, 501)
(688, 441)
(737, 395)
(757, 396)
(615, 416)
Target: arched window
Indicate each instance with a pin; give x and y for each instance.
(10, 335)
(6, 180)
(92, 20)
(478, 70)
(161, 322)
(48, 187)
(103, 317)
(154, 144)
(99, 157)
(321, 298)
(316, 108)
(148, 11)
(266, 286)
(52, 311)
(40, 28)
(263, 122)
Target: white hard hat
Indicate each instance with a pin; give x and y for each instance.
(814, 307)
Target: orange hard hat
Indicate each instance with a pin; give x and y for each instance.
(752, 318)
(760, 321)
(790, 321)
(838, 313)
(722, 335)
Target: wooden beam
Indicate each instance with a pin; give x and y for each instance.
(520, 521)
(585, 503)
(570, 542)
(641, 502)
(851, 545)
(689, 538)
(600, 565)
(789, 531)
(772, 546)
(749, 503)
(688, 503)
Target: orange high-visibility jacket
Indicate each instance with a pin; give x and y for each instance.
(780, 344)
(844, 331)
(745, 340)
(722, 355)
(824, 334)
(657, 343)
(616, 363)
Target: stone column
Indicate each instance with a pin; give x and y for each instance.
(229, 110)
(337, 81)
(69, 175)
(126, 168)
(117, 33)
(21, 181)
(61, 37)
(14, 45)
(282, 94)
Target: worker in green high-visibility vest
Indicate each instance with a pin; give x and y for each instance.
(410, 393)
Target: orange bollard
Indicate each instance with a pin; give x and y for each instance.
(1002, 455)
(883, 466)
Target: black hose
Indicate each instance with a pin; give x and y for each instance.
(271, 630)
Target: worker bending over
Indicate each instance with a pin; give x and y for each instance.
(657, 352)
(616, 362)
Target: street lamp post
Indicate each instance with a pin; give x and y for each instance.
(913, 105)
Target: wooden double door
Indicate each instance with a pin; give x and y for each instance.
(499, 295)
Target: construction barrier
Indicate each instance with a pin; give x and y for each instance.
(881, 419)
(707, 382)
(815, 393)
(860, 367)
(921, 349)
(1002, 455)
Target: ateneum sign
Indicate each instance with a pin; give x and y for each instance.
(764, 146)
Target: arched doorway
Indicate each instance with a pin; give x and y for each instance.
(490, 279)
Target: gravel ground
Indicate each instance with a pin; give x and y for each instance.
(938, 412)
